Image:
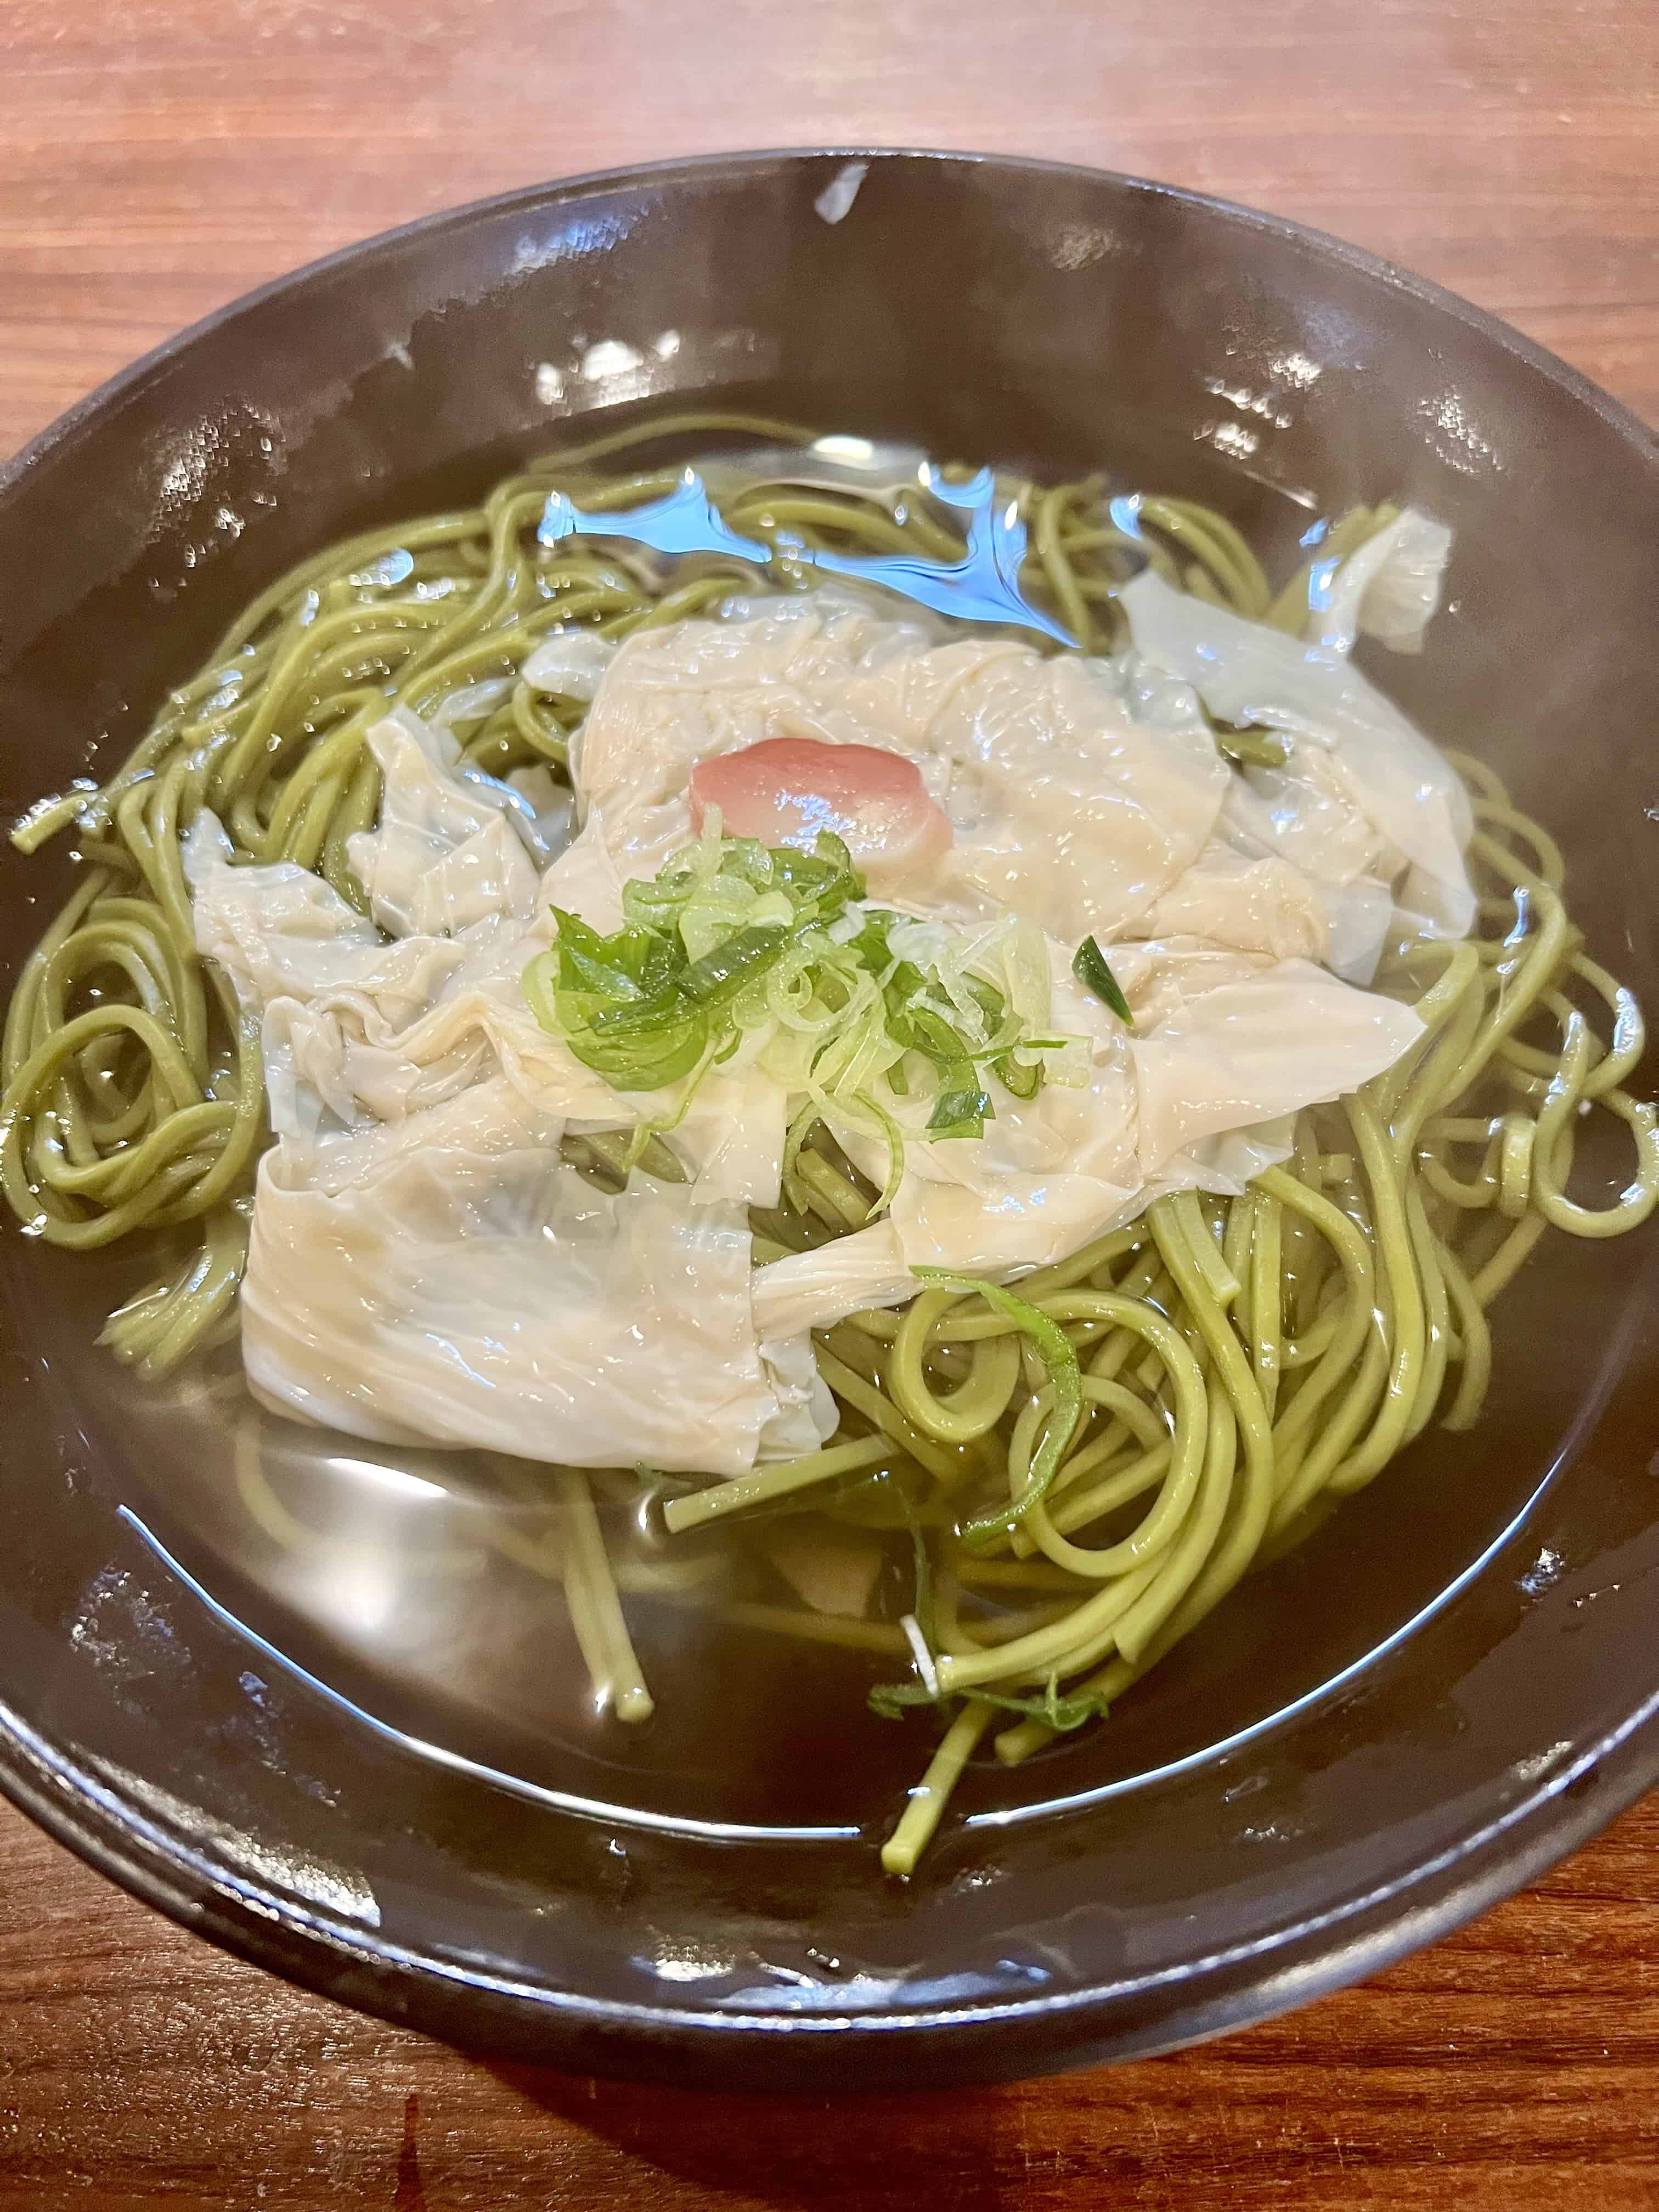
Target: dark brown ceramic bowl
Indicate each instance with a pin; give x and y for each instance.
(1451, 1685)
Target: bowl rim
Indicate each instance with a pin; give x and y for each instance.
(1354, 1938)
(1325, 244)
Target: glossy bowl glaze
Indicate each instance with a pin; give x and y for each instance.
(1454, 1683)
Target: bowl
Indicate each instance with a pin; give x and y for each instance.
(1452, 1684)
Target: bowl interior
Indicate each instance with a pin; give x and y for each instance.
(1302, 1784)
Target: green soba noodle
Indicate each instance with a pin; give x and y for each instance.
(1242, 1365)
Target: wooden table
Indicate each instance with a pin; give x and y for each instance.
(159, 156)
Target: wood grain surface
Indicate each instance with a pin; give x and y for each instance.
(157, 159)
(1512, 2069)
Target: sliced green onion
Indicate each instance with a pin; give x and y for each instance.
(1055, 1349)
(1249, 748)
(716, 979)
(1019, 1078)
(893, 1137)
(961, 1114)
(1089, 966)
(731, 938)
(1059, 1711)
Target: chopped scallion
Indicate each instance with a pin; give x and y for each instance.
(883, 1021)
(1089, 966)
